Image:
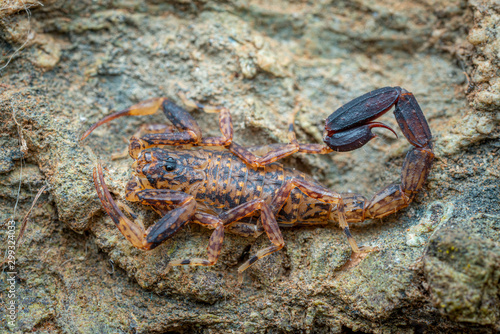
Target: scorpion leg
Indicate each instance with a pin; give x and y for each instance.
(144, 129)
(267, 153)
(214, 244)
(246, 229)
(225, 122)
(271, 156)
(133, 230)
(270, 153)
(189, 132)
(147, 107)
(229, 218)
(320, 193)
(161, 202)
(269, 225)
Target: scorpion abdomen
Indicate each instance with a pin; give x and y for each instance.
(230, 182)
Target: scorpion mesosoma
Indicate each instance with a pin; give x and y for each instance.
(218, 188)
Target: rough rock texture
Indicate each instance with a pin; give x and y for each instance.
(437, 270)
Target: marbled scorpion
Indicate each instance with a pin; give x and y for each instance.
(219, 188)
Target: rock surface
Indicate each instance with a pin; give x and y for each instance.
(438, 268)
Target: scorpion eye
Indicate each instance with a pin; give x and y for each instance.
(170, 164)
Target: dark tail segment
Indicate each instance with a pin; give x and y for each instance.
(412, 121)
(363, 109)
(349, 128)
(354, 138)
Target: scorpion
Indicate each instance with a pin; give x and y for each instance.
(220, 184)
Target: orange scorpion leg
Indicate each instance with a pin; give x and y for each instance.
(144, 129)
(321, 194)
(277, 152)
(268, 153)
(214, 244)
(226, 219)
(161, 202)
(184, 212)
(269, 225)
(189, 132)
(310, 189)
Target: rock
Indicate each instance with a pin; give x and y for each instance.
(85, 59)
(463, 273)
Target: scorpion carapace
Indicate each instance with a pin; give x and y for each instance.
(220, 189)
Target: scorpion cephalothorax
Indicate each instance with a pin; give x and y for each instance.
(220, 189)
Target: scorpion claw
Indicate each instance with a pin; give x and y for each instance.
(349, 127)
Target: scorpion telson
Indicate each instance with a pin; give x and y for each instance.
(221, 189)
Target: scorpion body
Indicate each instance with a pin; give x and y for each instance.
(219, 181)
(224, 189)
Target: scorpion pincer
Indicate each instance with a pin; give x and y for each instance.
(222, 189)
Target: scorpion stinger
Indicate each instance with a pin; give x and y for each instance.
(354, 138)
(358, 114)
